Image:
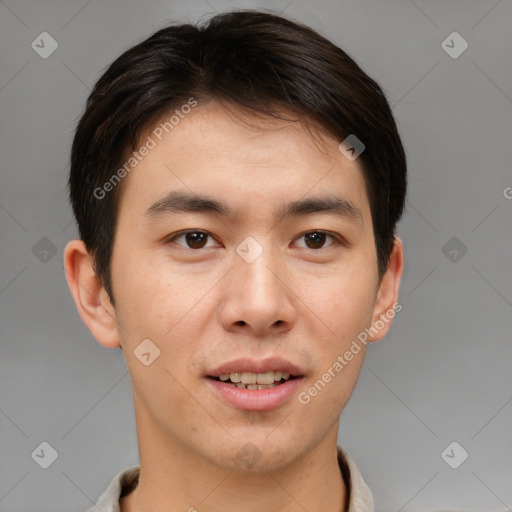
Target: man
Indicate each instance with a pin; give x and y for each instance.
(236, 187)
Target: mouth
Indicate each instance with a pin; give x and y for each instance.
(248, 380)
(256, 385)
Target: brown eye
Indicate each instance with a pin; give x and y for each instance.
(316, 239)
(198, 239)
(193, 239)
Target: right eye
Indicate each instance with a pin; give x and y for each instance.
(194, 238)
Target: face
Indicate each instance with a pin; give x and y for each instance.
(253, 288)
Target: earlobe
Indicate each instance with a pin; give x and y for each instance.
(387, 305)
(89, 295)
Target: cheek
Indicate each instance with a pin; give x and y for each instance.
(150, 299)
(326, 394)
(345, 306)
(167, 309)
(343, 300)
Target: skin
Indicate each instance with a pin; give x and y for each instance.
(296, 301)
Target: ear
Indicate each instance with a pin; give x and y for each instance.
(387, 304)
(90, 296)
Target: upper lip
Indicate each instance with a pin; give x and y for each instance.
(256, 366)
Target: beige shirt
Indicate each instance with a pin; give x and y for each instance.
(359, 496)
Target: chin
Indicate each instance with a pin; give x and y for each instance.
(258, 455)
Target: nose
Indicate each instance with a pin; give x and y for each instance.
(257, 298)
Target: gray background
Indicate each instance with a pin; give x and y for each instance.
(443, 372)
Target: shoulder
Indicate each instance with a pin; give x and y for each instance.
(123, 483)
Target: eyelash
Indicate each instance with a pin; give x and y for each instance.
(338, 240)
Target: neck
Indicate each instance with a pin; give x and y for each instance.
(173, 477)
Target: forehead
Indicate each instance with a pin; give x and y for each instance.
(240, 159)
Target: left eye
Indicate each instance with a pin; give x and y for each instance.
(317, 238)
(197, 239)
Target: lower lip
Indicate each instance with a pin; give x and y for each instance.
(255, 399)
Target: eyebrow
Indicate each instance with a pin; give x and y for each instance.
(176, 202)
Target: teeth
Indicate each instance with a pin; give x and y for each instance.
(254, 386)
(249, 380)
(265, 378)
(258, 378)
